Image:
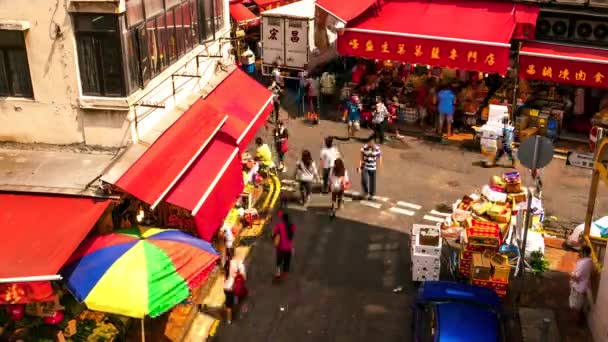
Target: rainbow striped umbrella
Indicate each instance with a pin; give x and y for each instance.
(137, 272)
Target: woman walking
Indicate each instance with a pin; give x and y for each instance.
(339, 181)
(306, 174)
(282, 236)
(234, 285)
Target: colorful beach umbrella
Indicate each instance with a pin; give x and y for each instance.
(138, 272)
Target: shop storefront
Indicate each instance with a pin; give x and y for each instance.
(564, 90)
(466, 46)
(50, 228)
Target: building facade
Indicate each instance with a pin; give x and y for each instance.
(102, 72)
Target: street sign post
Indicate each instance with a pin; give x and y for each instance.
(534, 153)
(584, 160)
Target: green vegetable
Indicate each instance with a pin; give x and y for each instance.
(538, 263)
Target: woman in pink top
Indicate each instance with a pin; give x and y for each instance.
(283, 232)
(580, 282)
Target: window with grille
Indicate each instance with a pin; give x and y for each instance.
(14, 68)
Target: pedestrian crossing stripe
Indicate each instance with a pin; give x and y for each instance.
(402, 211)
(371, 204)
(433, 218)
(380, 198)
(288, 181)
(435, 212)
(409, 205)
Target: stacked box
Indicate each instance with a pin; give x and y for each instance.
(426, 253)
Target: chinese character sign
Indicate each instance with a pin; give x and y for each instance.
(459, 55)
(563, 71)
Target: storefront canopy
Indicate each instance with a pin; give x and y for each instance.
(155, 173)
(266, 5)
(564, 64)
(471, 35)
(345, 12)
(211, 187)
(248, 104)
(41, 232)
(243, 16)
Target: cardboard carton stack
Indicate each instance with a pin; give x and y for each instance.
(485, 220)
(426, 252)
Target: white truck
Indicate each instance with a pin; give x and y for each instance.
(288, 38)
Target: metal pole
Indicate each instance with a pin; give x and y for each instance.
(544, 332)
(595, 179)
(515, 83)
(522, 258)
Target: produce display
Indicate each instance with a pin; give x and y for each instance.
(482, 223)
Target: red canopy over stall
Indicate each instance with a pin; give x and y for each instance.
(471, 35)
(564, 64)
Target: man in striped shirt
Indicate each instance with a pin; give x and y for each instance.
(370, 159)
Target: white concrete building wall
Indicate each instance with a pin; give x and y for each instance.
(58, 113)
(52, 115)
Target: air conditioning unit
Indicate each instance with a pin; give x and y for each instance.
(591, 31)
(552, 28)
(598, 3)
(572, 2)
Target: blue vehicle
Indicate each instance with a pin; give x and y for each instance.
(456, 312)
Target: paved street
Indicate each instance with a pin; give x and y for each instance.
(345, 270)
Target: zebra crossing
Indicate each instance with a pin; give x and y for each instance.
(384, 204)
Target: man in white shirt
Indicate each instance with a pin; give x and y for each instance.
(329, 154)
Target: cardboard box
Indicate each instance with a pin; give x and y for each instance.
(513, 187)
(501, 269)
(483, 237)
(518, 197)
(492, 284)
(511, 177)
(483, 224)
(528, 132)
(504, 218)
(481, 267)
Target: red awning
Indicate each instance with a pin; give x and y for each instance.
(564, 64)
(211, 187)
(266, 5)
(345, 12)
(152, 176)
(247, 103)
(471, 35)
(41, 232)
(526, 17)
(243, 16)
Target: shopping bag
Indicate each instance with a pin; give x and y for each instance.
(239, 287)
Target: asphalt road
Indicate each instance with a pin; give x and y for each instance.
(345, 270)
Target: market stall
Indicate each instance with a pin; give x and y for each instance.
(430, 45)
(484, 232)
(563, 91)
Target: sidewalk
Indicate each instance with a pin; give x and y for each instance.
(205, 324)
(546, 296)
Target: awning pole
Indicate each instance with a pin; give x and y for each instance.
(515, 83)
(143, 333)
(30, 279)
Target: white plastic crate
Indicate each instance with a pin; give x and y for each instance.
(424, 274)
(427, 250)
(425, 260)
